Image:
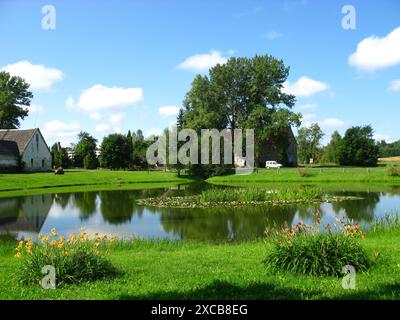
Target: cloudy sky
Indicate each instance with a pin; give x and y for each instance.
(119, 65)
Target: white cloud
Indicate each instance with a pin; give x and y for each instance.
(37, 75)
(308, 116)
(95, 116)
(308, 106)
(203, 62)
(116, 119)
(117, 129)
(304, 87)
(375, 53)
(307, 119)
(153, 132)
(331, 123)
(395, 85)
(102, 128)
(60, 131)
(69, 103)
(272, 35)
(35, 108)
(100, 98)
(168, 111)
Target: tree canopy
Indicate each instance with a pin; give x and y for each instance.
(115, 151)
(86, 147)
(244, 93)
(308, 141)
(14, 100)
(358, 148)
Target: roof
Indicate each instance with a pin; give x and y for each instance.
(20, 137)
(8, 147)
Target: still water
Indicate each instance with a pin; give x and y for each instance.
(117, 213)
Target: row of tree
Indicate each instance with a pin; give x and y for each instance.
(389, 149)
(117, 151)
(356, 148)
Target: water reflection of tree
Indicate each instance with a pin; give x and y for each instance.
(117, 206)
(86, 203)
(360, 209)
(222, 224)
(311, 211)
(62, 199)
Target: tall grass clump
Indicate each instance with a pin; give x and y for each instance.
(312, 250)
(304, 172)
(387, 222)
(394, 171)
(80, 258)
(257, 194)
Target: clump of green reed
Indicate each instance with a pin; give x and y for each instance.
(312, 250)
(304, 172)
(257, 194)
(394, 171)
(387, 222)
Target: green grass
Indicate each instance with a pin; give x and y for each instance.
(188, 270)
(84, 180)
(257, 194)
(332, 174)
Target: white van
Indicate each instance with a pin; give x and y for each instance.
(272, 164)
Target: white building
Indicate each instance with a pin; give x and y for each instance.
(25, 147)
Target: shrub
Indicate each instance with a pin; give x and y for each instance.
(90, 161)
(305, 249)
(80, 258)
(394, 171)
(304, 172)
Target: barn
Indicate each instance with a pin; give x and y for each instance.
(23, 149)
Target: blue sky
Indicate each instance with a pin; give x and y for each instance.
(118, 65)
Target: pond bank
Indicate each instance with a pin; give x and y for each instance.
(193, 270)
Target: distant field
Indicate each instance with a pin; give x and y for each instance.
(389, 159)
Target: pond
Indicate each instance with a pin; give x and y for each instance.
(116, 212)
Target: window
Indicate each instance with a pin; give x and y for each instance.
(31, 162)
(37, 141)
(43, 163)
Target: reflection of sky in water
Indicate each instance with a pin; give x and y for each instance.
(116, 213)
(68, 221)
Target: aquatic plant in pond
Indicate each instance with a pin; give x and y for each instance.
(82, 257)
(234, 197)
(312, 250)
(257, 194)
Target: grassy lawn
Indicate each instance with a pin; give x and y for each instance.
(331, 174)
(83, 180)
(188, 270)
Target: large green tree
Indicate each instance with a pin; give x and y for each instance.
(358, 147)
(308, 141)
(244, 93)
(86, 147)
(331, 152)
(139, 148)
(115, 151)
(60, 156)
(14, 100)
